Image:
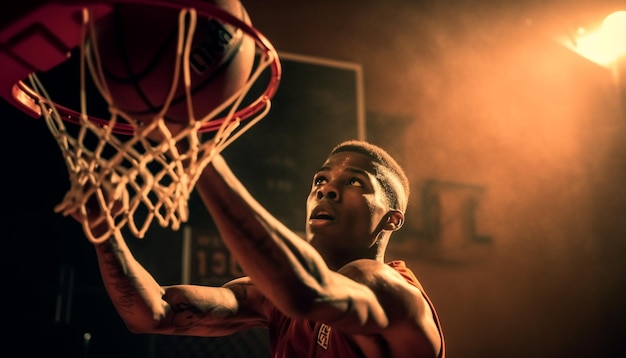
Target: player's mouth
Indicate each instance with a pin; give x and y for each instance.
(320, 216)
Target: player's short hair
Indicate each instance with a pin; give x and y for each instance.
(391, 176)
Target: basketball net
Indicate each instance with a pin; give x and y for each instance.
(135, 179)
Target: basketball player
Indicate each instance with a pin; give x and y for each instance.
(328, 295)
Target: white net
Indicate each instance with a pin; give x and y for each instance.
(150, 173)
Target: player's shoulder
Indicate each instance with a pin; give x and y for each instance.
(399, 295)
(374, 273)
(396, 289)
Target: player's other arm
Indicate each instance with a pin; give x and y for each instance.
(147, 307)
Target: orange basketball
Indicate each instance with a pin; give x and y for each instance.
(137, 48)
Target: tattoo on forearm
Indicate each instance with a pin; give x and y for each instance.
(186, 315)
(119, 276)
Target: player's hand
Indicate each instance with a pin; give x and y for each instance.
(99, 212)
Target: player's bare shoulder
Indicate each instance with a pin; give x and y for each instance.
(400, 300)
(412, 324)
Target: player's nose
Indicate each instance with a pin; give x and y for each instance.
(328, 191)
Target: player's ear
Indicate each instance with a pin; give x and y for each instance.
(395, 219)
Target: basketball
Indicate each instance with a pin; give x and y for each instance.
(137, 46)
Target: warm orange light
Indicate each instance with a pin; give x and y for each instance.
(606, 44)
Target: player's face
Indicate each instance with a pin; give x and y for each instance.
(345, 208)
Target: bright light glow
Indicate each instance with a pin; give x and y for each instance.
(606, 44)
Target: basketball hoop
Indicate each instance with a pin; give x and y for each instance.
(136, 168)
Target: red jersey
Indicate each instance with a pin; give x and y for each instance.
(299, 339)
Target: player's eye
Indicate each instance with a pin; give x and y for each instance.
(320, 180)
(355, 182)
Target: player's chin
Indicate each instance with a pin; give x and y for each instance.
(318, 229)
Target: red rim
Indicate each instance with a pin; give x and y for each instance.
(23, 96)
